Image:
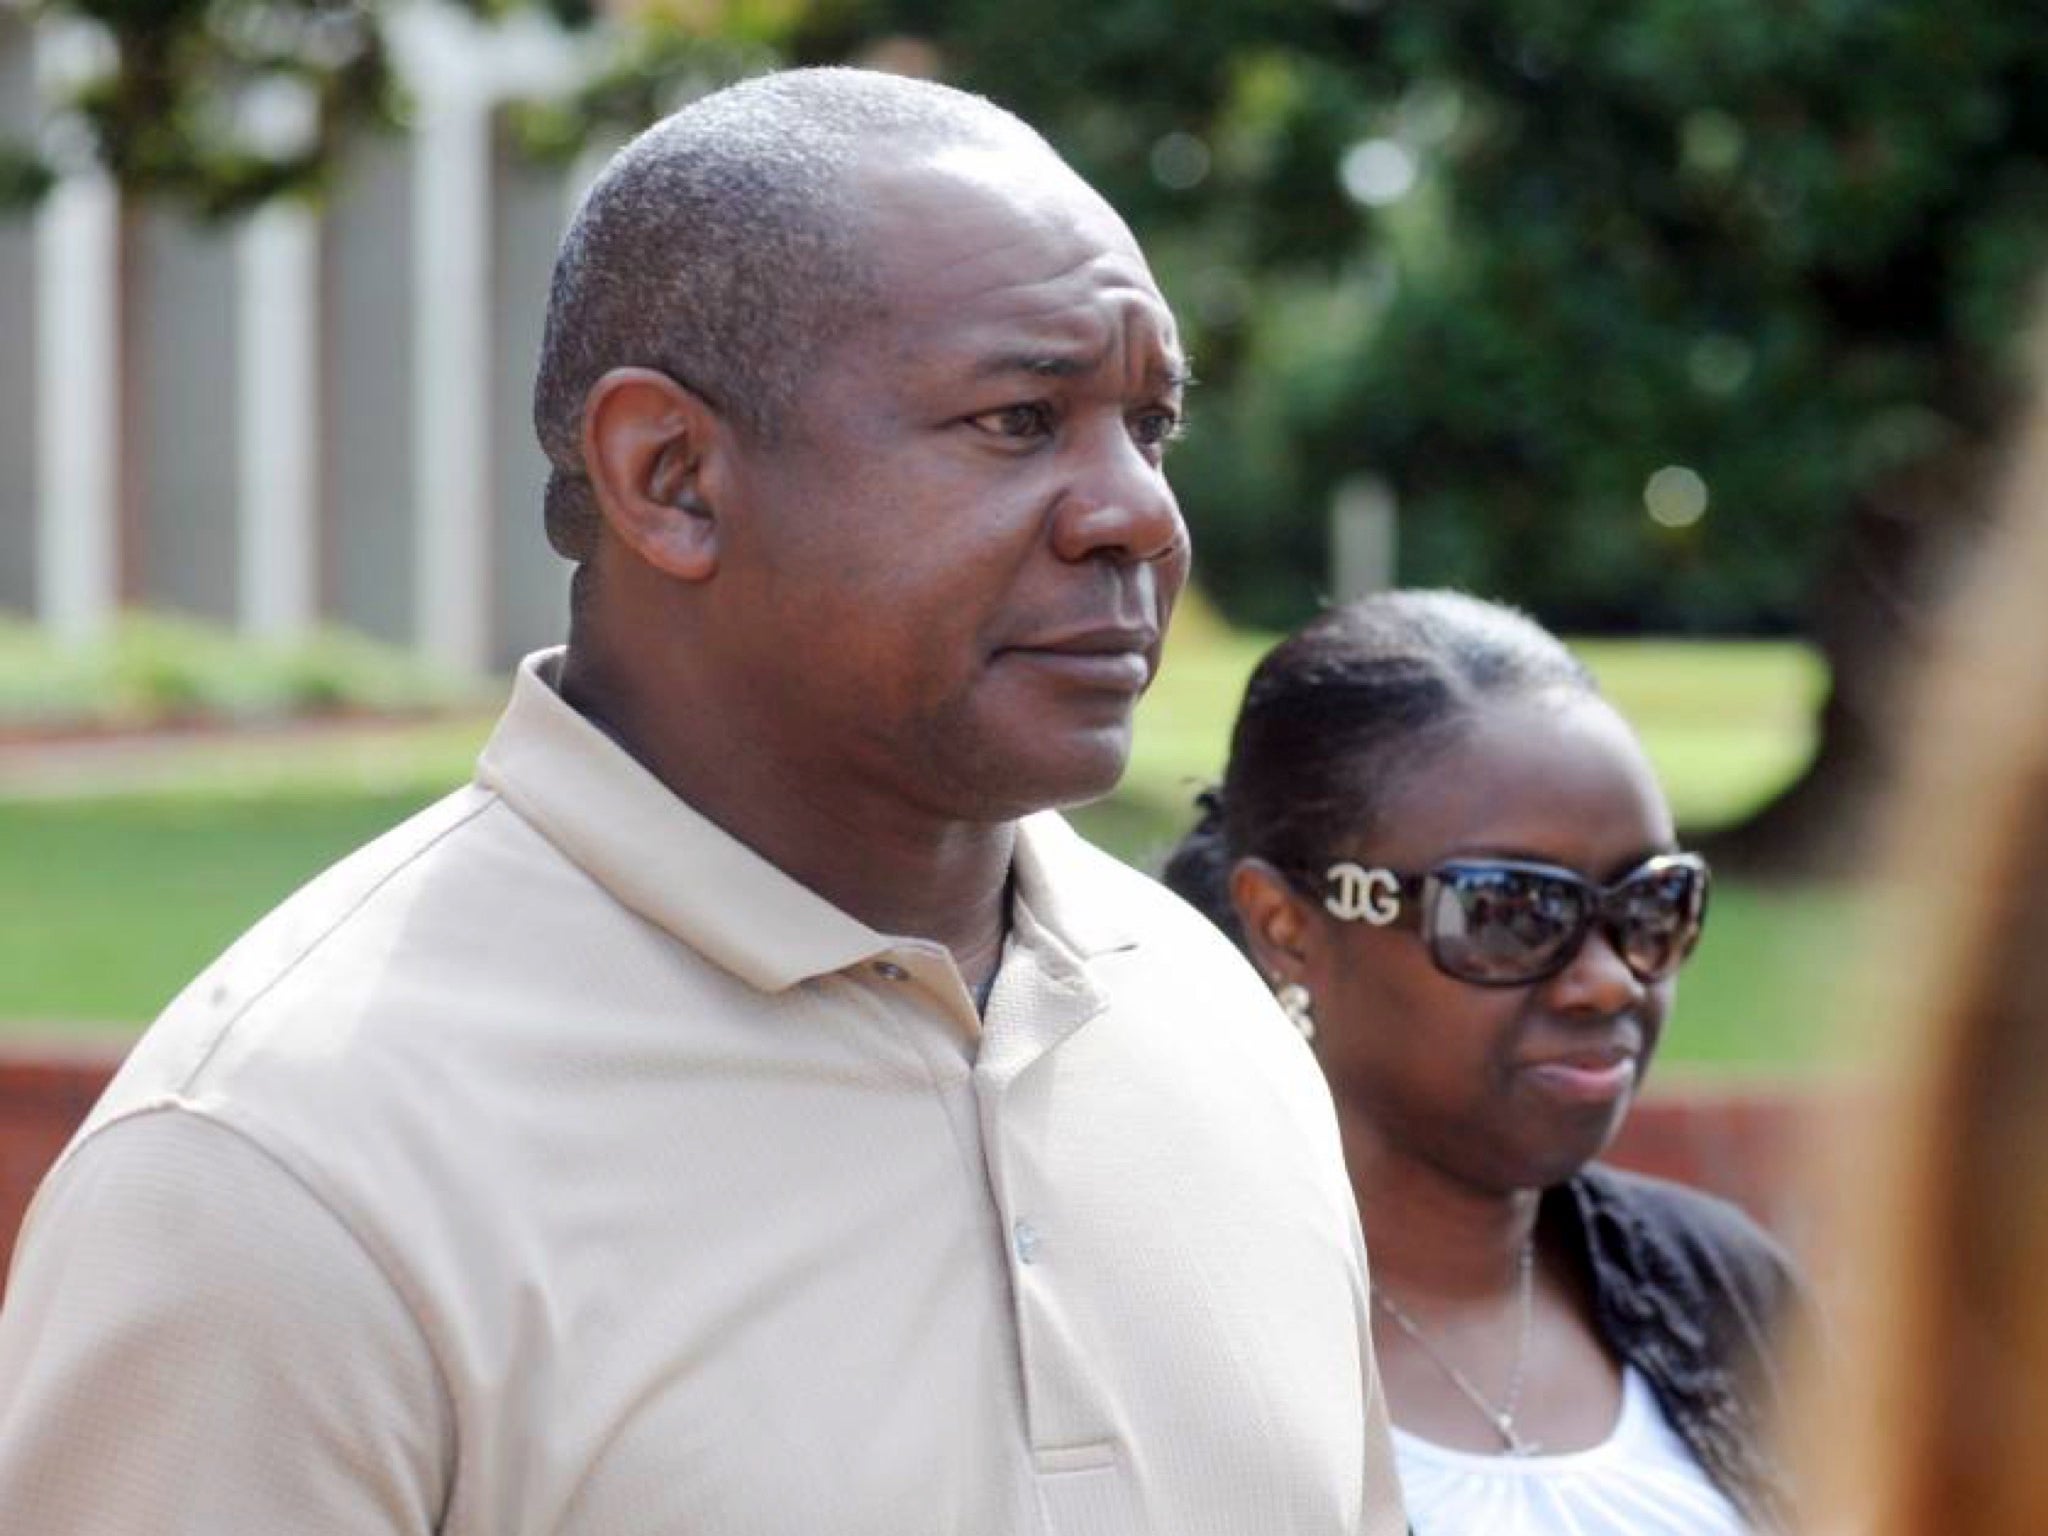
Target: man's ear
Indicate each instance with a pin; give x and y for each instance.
(649, 444)
(1279, 925)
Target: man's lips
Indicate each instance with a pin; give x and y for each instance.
(1114, 659)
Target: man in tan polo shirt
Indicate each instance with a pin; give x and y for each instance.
(740, 1111)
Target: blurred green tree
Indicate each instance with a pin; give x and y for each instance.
(156, 95)
(182, 99)
(1685, 315)
(1692, 315)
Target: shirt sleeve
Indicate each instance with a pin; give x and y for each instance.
(193, 1343)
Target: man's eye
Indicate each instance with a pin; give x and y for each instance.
(1033, 419)
(1155, 429)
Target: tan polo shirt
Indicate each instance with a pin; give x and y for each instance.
(557, 1165)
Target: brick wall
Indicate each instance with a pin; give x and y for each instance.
(1743, 1141)
(45, 1091)
(1746, 1142)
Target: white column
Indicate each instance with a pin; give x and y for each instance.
(1364, 533)
(278, 495)
(452, 493)
(78, 377)
(457, 70)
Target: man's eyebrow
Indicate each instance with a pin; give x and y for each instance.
(1041, 365)
(1177, 373)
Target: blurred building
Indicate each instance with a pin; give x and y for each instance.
(306, 416)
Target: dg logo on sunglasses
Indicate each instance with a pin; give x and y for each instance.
(1371, 894)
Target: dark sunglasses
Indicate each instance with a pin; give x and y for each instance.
(1506, 923)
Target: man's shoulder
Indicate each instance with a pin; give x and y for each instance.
(350, 918)
(1080, 871)
(339, 1034)
(1156, 954)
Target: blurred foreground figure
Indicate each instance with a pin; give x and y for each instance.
(1453, 860)
(738, 1111)
(1932, 1412)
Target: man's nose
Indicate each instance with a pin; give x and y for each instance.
(1117, 503)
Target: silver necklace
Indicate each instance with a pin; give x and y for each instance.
(1500, 1415)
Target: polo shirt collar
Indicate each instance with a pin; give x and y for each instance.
(1059, 878)
(688, 876)
(651, 851)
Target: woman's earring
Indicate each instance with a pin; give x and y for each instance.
(1296, 1003)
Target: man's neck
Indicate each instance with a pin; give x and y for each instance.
(897, 871)
(978, 964)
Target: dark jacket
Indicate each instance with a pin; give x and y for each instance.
(1698, 1298)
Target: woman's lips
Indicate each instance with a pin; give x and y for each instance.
(1588, 1078)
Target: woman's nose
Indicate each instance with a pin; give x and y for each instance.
(1597, 980)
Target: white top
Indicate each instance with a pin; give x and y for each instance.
(557, 1165)
(1642, 1480)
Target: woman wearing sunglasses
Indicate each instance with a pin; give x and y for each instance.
(1452, 860)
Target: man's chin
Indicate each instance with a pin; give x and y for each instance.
(1050, 775)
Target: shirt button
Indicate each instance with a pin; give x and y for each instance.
(889, 970)
(1026, 1237)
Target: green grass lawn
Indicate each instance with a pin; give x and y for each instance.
(110, 901)
(1725, 722)
(108, 906)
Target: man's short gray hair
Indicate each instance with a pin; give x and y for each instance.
(722, 248)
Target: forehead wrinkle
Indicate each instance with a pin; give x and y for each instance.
(1171, 374)
(1149, 343)
(946, 267)
(1157, 358)
(1062, 324)
(1052, 361)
